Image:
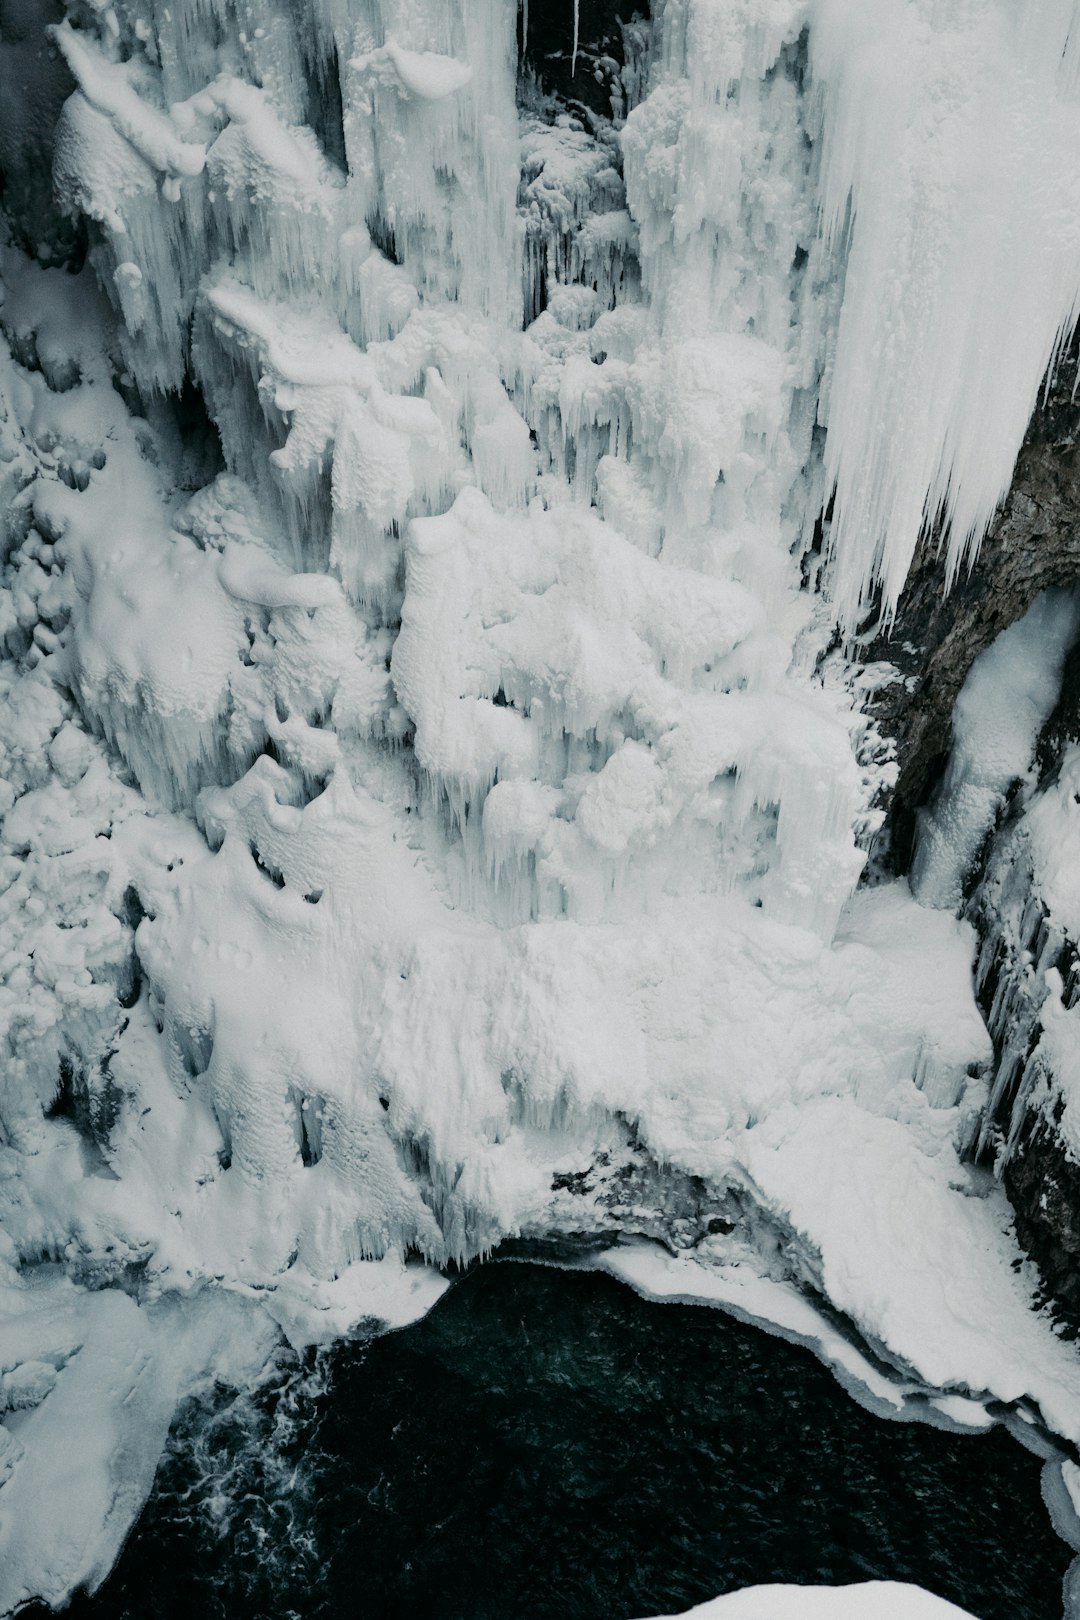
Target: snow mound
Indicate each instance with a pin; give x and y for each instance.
(868, 1600)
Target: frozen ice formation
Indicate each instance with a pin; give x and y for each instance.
(998, 794)
(433, 790)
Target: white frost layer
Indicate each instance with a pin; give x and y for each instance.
(912, 1251)
(774, 1305)
(868, 1600)
(86, 1420)
(928, 1316)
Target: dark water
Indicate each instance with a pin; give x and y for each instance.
(545, 1445)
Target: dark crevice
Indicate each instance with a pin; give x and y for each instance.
(546, 52)
(64, 1105)
(382, 236)
(274, 873)
(325, 113)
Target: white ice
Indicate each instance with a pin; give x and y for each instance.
(946, 136)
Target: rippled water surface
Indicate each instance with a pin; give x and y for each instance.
(544, 1446)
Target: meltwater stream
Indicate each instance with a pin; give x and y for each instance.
(546, 1445)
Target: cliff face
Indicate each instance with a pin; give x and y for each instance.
(941, 627)
(1015, 892)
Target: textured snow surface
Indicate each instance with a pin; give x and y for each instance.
(428, 817)
(869, 1600)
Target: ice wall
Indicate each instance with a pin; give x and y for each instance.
(947, 134)
(427, 806)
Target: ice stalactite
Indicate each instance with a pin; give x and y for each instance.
(358, 450)
(946, 168)
(1027, 967)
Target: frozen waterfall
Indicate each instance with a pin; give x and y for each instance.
(433, 763)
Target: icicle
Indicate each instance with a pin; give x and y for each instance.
(577, 20)
(956, 191)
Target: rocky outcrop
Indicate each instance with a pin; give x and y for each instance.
(1033, 545)
(1043, 1182)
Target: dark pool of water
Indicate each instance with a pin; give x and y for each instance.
(546, 1445)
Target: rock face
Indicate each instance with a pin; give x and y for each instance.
(1029, 988)
(1027, 982)
(1043, 1182)
(938, 634)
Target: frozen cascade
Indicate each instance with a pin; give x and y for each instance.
(948, 325)
(439, 813)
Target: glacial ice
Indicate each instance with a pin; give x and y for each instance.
(448, 788)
